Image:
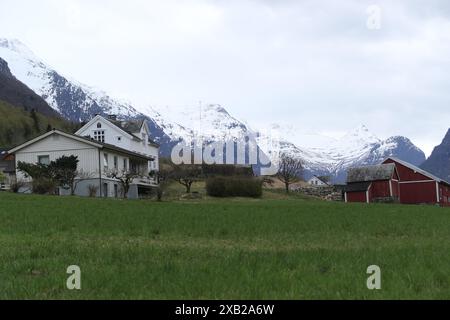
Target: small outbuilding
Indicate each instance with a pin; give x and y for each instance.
(318, 182)
(372, 183)
(396, 180)
(418, 186)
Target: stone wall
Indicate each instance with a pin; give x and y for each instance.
(327, 193)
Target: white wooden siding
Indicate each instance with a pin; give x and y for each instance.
(58, 147)
(111, 134)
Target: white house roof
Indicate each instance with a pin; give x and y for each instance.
(318, 178)
(91, 142)
(128, 128)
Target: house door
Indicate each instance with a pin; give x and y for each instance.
(105, 190)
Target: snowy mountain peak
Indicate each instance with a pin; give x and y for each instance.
(17, 46)
(73, 100)
(361, 133)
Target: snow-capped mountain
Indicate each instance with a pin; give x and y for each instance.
(73, 100)
(19, 95)
(210, 122)
(357, 148)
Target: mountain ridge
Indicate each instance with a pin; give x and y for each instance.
(439, 161)
(210, 122)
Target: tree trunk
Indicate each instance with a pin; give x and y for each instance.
(188, 187)
(286, 184)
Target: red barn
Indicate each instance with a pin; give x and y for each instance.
(396, 180)
(372, 183)
(419, 186)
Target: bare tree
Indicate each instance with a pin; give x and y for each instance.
(125, 179)
(290, 170)
(80, 177)
(163, 176)
(186, 175)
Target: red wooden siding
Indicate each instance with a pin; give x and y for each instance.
(395, 189)
(406, 174)
(420, 192)
(409, 185)
(380, 189)
(444, 194)
(359, 196)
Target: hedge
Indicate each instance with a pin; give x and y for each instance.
(234, 187)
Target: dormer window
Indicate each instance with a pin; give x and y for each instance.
(99, 135)
(99, 125)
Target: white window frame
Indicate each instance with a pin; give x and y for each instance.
(44, 156)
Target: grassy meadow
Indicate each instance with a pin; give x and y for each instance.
(278, 247)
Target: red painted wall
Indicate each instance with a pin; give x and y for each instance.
(420, 192)
(444, 194)
(359, 196)
(379, 189)
(395, 189)
(406, 174)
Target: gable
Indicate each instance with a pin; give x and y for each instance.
(91, 126)
(410, 173)
(56, 142)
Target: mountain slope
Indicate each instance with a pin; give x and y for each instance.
(23, 114)
(74, 101)
(439, 161)
(19, 95)
(18, 125)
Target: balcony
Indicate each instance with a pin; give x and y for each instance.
(145, 181)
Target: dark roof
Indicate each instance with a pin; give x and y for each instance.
(323, 180)
(371, 173)
(131, 127)
(3, 153)
(357, 186)
(128, 126)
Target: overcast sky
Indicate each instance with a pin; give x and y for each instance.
(324, 66)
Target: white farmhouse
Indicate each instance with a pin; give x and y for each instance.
(317, 182)
(102, 146)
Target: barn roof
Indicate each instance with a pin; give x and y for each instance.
(371, 173)
(417, 169)
(357, 186)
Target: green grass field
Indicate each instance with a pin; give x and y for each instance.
(275, 248)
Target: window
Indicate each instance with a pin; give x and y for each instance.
(125, 164)
(116, 163)
(99, 125)
(144, 138)
(45, 160)
(119, 138)
(99, 135)
(105, 161)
